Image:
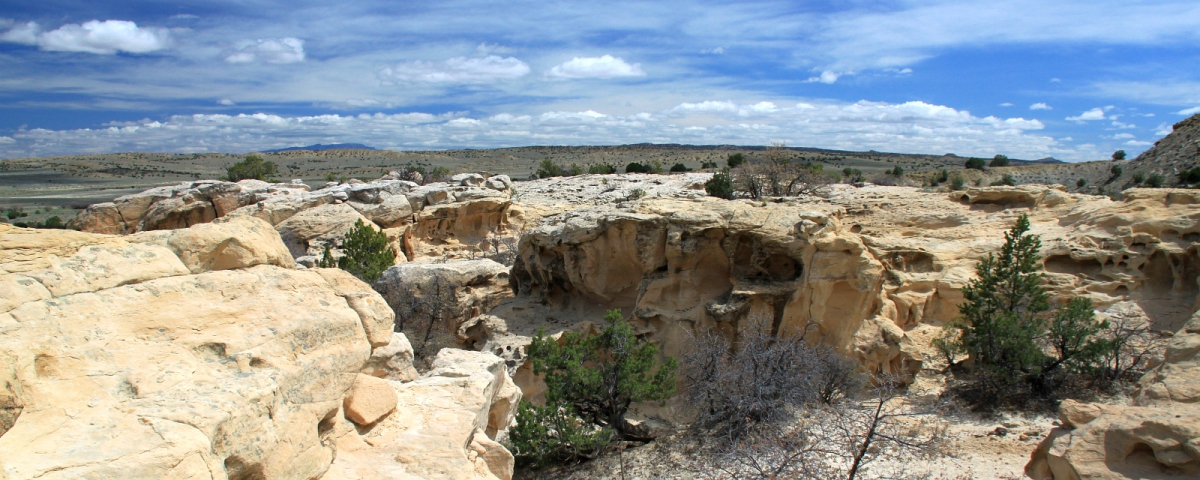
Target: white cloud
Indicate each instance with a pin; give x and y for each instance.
(269, 50)
(1006, 104)
(714, 51)
(1122, 125)
(1137, 143)
(1163, 129)
(607, 66)
(1055, 80)
(7, 140)
(184, 16)
(1121, 136)
(1189, 111)
(104, 38)
(227, 102)
(1040, 106)
(26, 33)
(1093, 114)
(456, 70)
(912, 127)
(827, 77)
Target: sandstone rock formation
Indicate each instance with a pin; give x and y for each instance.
(437, 214)
(1156, 437)
(878, 269)
(202, 353)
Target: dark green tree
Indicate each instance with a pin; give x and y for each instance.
(1007, 326)
(549, 169)
(679, 167)
(720, 185)
(735, 159)
(1155, 180)
(957, 183)
(366, 253)
(1118, 155)
(636, 167)
(1117, 170)
(999, 161)
(590, 383)
(975, 163)
(1081, 183)
(253, 167)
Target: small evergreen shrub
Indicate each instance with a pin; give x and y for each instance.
(366, 253)
(974, 163)
(590, 384)
(999, 161)
(720, 186)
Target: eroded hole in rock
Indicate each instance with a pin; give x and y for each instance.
(910, 262)
(237, 469)
(1065, 264)
(781, 268)
(1160, 278)
(327, 423)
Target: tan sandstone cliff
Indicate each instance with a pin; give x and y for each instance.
(203, 353)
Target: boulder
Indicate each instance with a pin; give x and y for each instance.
(369, 400)
(393, 361)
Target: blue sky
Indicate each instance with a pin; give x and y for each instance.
(1030, 79)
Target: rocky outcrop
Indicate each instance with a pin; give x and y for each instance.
(1158, 436)
(202, 353)
(421, 220)
(462, 402)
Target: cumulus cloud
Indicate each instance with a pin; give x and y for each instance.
(1090, 115)
(103, 38)
(1006, 104)
(7, 140)
(269, 50)
(607, 66)
(1138, 143)
(915, 127)
(456, 70)
(1163, 129)
(1189, 111)
(826, 77)
(714, 51)
(227, 102)
(1040, 106)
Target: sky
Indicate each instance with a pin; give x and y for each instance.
(1073, 80)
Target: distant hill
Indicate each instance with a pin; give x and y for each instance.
(319, 147)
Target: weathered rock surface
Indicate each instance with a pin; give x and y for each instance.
(441, 432)
(134, 366)
(1156, 437)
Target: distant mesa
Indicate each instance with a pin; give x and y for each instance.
(319, 147)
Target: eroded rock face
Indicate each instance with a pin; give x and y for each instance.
(878, 270)
(449, 293)
(1156, 437)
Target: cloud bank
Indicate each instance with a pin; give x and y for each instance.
(914, 127)
(102, 38)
